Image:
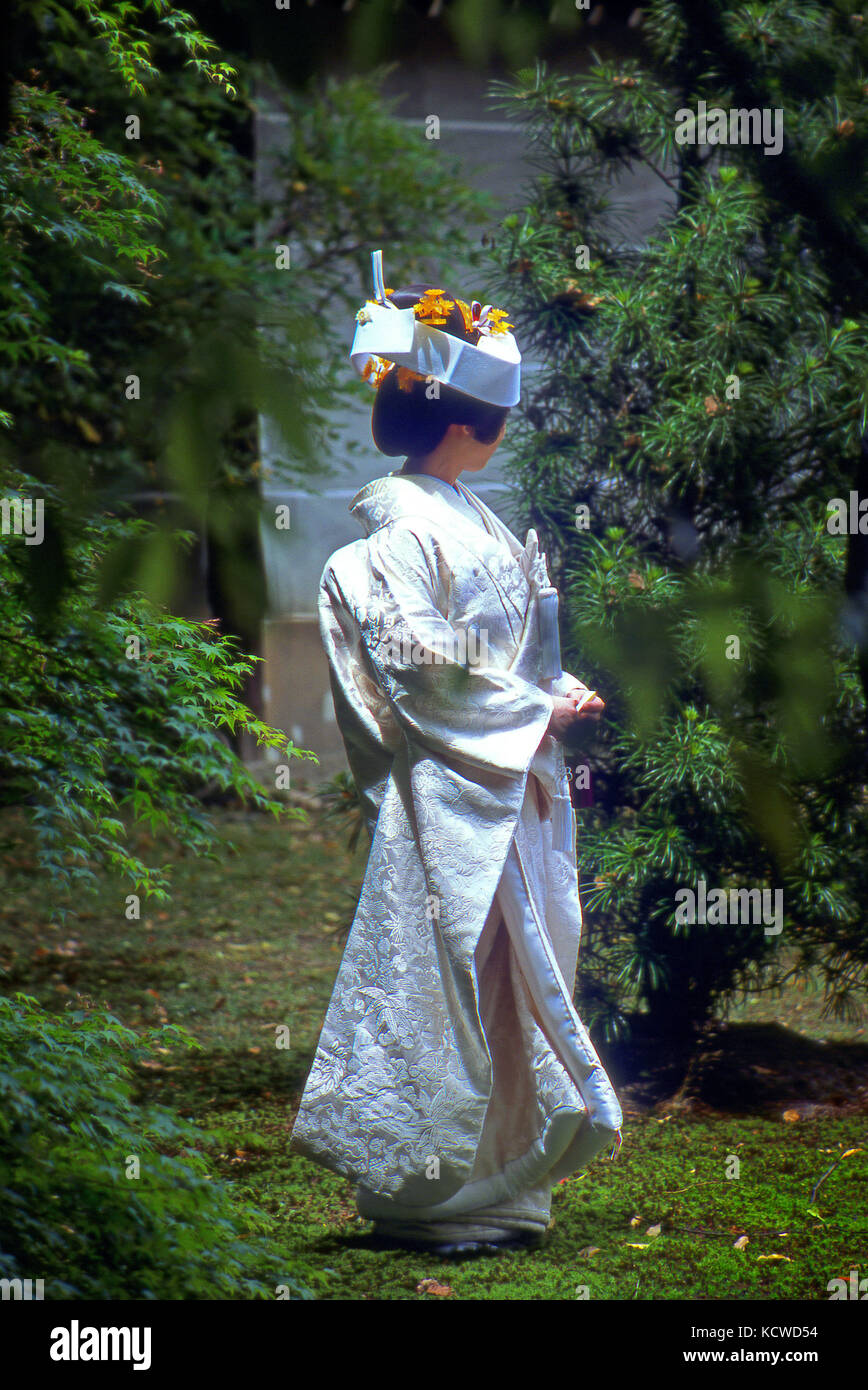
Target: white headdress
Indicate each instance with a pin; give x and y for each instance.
(388, 337)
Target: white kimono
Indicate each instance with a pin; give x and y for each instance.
(454, 1082)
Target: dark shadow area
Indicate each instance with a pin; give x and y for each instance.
(741, 1068)
(224, 1080)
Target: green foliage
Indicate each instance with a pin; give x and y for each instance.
(71, 1214)
(155, 258)
(161, 260)
(112, 715)
(701, 395)
(94, 737)
(65, 192)
(344, 805)
(128, 48)
(91, 203)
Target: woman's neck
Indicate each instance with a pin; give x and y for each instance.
(445, 469)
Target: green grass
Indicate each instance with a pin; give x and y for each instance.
(252, 942)
(669, 1173)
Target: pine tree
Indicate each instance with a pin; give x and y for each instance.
(697, 408)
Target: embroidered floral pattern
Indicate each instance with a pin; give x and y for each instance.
(403, 1070)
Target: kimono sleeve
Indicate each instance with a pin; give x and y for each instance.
(565, 683)
(476, 711)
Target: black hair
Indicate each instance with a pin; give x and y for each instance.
(407, 421)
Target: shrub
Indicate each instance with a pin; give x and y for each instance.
(71, 1212)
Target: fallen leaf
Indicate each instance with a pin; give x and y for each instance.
(741, 1243)
(631, 1245)
(93, 435)
(636, 1221)
(433, 1287)
(653, 1231)
(588, 1251)
(775, 1257)
(791, 1116)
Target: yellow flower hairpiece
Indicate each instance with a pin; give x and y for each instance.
(407, 378)
(375, 369)
(497, 321)
(433, 308)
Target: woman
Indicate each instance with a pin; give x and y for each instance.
(453, 1081)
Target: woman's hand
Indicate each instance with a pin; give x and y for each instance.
(567, 714)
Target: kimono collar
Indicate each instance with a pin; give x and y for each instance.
(408, 494)
(419, 494)
(398, 494)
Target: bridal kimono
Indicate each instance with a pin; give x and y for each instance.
(454, 1082)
